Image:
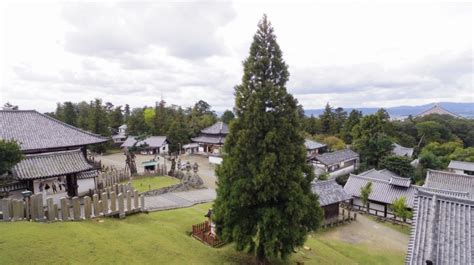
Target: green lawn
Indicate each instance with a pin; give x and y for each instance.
(155, 238)
(143, 184)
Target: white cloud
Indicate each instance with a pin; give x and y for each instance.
(347, 54)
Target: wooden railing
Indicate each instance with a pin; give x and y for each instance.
(13, 186)
(202, 232)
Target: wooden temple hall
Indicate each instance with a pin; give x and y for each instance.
(55, 156)
(210, 140)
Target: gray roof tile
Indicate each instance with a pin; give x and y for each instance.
(336, 157)
(382, 189)
(402, 151)
(442, 231)
(35, 131)
(217, 128)
(152, 141)
(461, 165)
(310, 144)
(329, 192)
(450, 181)
(210, 139)
(52, 164)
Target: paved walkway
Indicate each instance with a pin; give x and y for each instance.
(182, 199)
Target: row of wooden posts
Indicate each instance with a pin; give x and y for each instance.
(341, 219)
(113, 176)
(118, 200)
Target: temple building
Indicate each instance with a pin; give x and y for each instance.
(211, 139)
(387, 186)
(121, 135)
(443, 226)
(55, 155)
(337, 163)
(437, 109)
(313, 148)
(330, 195)
(152, 145)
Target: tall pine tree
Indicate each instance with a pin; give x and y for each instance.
(264, 201)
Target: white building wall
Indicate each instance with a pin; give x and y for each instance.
(215, 160)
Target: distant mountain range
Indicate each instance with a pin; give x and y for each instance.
(463, 109)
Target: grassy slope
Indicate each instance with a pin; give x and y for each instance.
(143, 183)
(155, 238)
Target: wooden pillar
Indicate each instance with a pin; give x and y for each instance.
(385, 211)
(29, 185)
(71, 183)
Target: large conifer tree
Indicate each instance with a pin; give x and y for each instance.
(264, 200)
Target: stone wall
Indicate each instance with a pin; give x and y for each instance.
(188, 182)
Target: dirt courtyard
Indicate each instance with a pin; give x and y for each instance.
(206, 170)
(369, 232)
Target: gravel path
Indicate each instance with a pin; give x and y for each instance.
(182, 199)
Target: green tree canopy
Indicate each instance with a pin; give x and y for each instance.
(371, 139)
(365, 194)
(398, 164)
(399, 207)
(10, 155)
(264, 201)
(227, 116)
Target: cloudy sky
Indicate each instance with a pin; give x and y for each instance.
(348, 54)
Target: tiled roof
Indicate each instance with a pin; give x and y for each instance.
(52, 164)
(402, 151)
(461, 165)
(310, 144)
(450, 181)
(442, 231)
(437, 109)
(385, 188)
(35, 131)
(209, 139)
(152, 141)
(337, 157)
(217, 128)
(329, 192)
(88, 174)
(401, 182)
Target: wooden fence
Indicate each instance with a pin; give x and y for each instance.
(340, 219)
(381, 214)
(112, 177)
(202, 232)
(116, 201)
